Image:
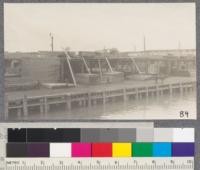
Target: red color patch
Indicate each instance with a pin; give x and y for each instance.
(101, 149)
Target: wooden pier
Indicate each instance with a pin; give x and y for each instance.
(88, 96)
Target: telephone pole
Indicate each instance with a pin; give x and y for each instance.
(52, 39)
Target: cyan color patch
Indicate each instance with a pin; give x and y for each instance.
(162, 149)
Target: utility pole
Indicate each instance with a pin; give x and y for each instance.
(144, 41)
(52, 45)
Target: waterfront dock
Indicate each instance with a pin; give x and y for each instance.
(49, 82)
(43, 100)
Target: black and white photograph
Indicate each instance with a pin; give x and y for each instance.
(99, 61)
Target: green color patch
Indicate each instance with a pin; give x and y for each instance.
(142, 149)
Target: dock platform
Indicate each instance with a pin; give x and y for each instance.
(43, 100)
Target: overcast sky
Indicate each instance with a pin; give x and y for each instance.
(95, 26)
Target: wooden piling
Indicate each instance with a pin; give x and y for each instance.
(181, 89)
(125, 95)
(69, 103)
(89, 100)
(170, 90)
(25, 107)
(147, 92)
(46, 106)
(157, 91)
(161, 92)
(104, 97)
(41, 108)
(6, 111)
(137, 94)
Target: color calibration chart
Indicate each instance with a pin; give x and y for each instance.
(99, 148)
(100, 142)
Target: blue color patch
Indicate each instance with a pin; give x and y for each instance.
(162, 149)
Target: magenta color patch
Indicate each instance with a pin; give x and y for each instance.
(81, 150)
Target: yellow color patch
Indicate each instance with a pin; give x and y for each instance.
(121, 150)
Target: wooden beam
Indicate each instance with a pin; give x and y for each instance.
(86, 66)
(70, 68)
(109, 65)
(134, 62)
